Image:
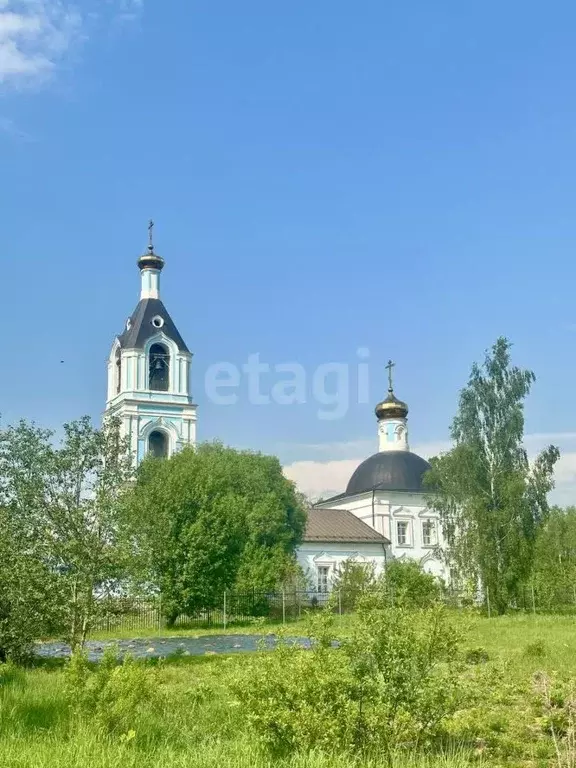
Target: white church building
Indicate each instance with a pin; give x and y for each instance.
(386, 494)
(382, 514)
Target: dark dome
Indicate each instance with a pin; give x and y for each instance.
(389, 471)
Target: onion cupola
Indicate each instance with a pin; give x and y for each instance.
(394, 467)
(391, 408)
(150, 260)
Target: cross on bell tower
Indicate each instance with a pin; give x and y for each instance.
(151, 236)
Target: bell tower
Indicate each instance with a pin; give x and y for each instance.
(149, 385)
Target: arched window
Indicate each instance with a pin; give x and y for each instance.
(158, 444)
(159, 368)
(118, 371)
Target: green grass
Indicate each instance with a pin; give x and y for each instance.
(251, 627)
(198, 727)
(192, 630)
(38, 731)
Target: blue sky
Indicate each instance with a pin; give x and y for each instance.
(325, 176)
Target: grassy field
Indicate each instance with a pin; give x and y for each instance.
(255, 627)
(198, 726)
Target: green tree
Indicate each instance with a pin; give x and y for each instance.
(30, 595)
(214, 518)
(353, 580)
(64, 508)
(407, 585)
(89, 479)
(554, 569)
(492, 501)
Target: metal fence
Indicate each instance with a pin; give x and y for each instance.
(232, 608)
(243, 608)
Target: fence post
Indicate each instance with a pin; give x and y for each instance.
(283, 606)
(224, 612)
(533, 601)
(340, 602)
(488, 600)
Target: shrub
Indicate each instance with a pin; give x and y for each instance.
(476, 656)
(407, 585)
(556, 702)
(10, 674)
(392, 683)
(114, 694)
(536, 650)
(30, 593)
(352, 582)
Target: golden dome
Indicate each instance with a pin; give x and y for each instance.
(391, 408)
(150, 260)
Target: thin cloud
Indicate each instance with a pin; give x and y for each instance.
(37, 35)
(9, 128)
(329, 476)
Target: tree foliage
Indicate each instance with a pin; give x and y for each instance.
(407, 585)
(63, 505)
(492, 501)
(393, 681)
(30, 594)
(554, 569)
(353, 580)
(211, 519)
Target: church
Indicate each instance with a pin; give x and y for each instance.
(386, 493)
(382, 514)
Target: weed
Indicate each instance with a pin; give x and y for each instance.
(535, 650)
(476, 656)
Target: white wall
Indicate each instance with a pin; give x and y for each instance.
(312, 554)
(385, 511)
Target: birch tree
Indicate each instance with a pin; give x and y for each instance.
(63, 504)
(491, 499)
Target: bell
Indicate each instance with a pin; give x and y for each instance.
(158, 366)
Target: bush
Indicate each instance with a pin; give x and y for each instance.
(476, 656)
(30, 596)
(407, 585)
(352, 582)
(536, 650)
(555, 700)
(392, 683)
(115, 695)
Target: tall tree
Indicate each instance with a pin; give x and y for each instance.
(31, 598)
(490, 498)
(66, 503)
(214, 518)
(554, 570)
(90, 474)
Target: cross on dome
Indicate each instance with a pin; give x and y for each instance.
(151, 260)
(389, 368)
(151, 236)
(391, 407)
